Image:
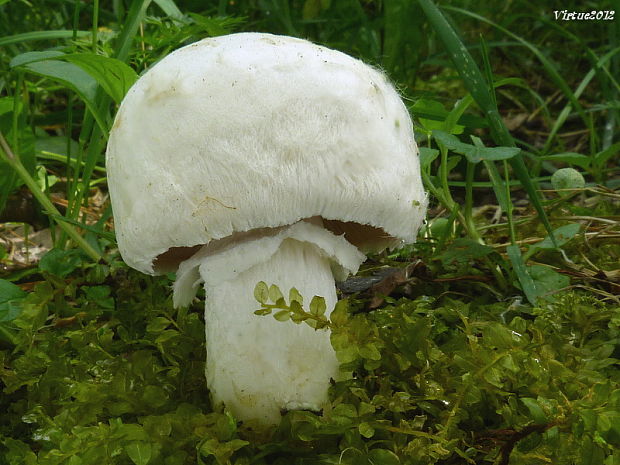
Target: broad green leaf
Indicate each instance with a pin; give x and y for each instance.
(366, 430)
(427, 156)
(261, 292)
(432, 115)
(383, 457)
(317, 305)
(139, 452)
(546, 279)
(73, 77)
(282, 315)
(60, 262)
(463, 250)
(473, 153)
(370, 352)
(10, 291)
(295, 296)
(32, 57)
(339, 315)
(563, 234)
(114, 76)
(536, 411)
(275, 294)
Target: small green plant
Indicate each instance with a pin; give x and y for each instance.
(444, 381)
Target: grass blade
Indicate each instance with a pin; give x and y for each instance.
(476, 84)
(41, 35)
(7, 154)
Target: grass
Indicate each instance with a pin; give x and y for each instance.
(500, 343)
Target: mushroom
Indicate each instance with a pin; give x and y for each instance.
(254, 157)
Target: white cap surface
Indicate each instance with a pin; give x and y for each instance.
(252, 130)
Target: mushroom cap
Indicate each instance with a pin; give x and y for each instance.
(237, 133)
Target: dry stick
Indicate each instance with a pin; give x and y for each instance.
(14, 162)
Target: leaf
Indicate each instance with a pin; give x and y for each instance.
(275, 294)
(571, 158)
(339, 316)
(563, 234)
(463, 250)
(114, 76)
(366, 430)
(282, 315)
(370, 351)
(71, 76)
(171, 9)
(383, 457)
(40, 35)
(474, 153)
(526, 281)
(31, 57)
(432, 115)
(261, 292)
(318, 306)
(9, 291)
(547, 280)
(536, 411)
(139, 452)
(427, 156)
(60, 262)
(295, 296)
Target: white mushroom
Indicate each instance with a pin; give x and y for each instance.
(253, 157)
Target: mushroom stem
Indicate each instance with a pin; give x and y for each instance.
(256, 366)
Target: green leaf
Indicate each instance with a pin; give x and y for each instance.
(474, 153)
(427, 156)
(60, 262)
(9, 291)
(463, 250)
(275, 294)
(433, 115)
(318, 306)
(526, 281)
(32, 57)
(340, 315)
(296, 307)
(261, 292)
(563, 234)
(71, 76)
(114, 76)
(282, 315)
(571, 158)
(366, 430)
(154, 396)
(263, 311)
(536, 411)
(41, 35)
(370, 351)
(295, 296)
(171, 9)
(139, 452)
(383, 457)
(547, 280)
